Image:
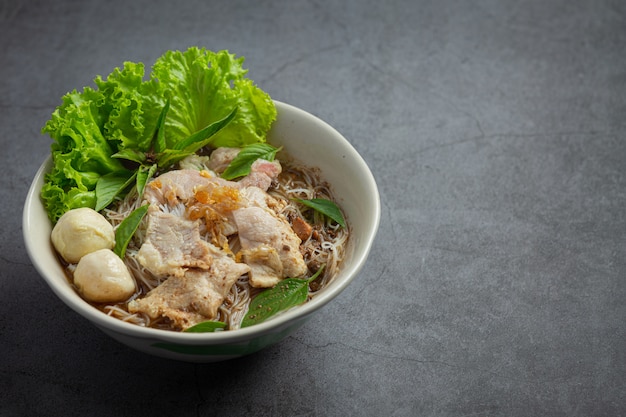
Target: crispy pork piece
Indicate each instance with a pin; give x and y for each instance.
(269, 246)
(302, 228)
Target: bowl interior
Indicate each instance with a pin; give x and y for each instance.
(304, 137)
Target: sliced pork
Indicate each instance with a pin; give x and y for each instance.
(193, 298)
(269, 246)
(181, 185)
(173, 245)
(261, 175)
(199, 275)
(178, 186)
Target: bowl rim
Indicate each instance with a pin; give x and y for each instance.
(104, 321)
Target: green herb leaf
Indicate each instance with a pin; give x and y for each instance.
(240, 166)
(288, 293)
(158, 144)
(144, 173)
(202, 138)
(326, 207)
(110, 186)
(130, 155)
(126, 230)
(206, 327)
(170, 157)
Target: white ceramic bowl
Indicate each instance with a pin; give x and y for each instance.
(304, 137)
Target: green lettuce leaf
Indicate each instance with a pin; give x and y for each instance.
(105, 130)
(81, 154)
(132, 107)
(205, 87)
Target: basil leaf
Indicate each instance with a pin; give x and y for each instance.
(202, 137)
(240, 166)
(144, 174)
(170, 157)
(158, 144)
(130, 155)
(206, 327)
(110, 186)
(288, 293)
(326, 207)
(127, 229)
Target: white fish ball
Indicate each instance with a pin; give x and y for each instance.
(81, 231)
(102, 277)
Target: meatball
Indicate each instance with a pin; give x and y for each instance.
(102, 277)
(81, 231)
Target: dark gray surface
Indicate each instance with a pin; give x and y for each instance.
(497, 133)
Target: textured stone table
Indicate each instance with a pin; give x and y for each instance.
(497, 133)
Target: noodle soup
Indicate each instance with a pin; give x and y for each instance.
(213, 213)
(303, 137)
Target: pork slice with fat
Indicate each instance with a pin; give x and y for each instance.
(193, 298)
(199, 275)
(269, 246)
(172, 244)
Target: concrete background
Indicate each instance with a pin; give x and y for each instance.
(497, 133)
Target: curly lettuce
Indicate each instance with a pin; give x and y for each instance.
(205, 87)
(189, 99)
